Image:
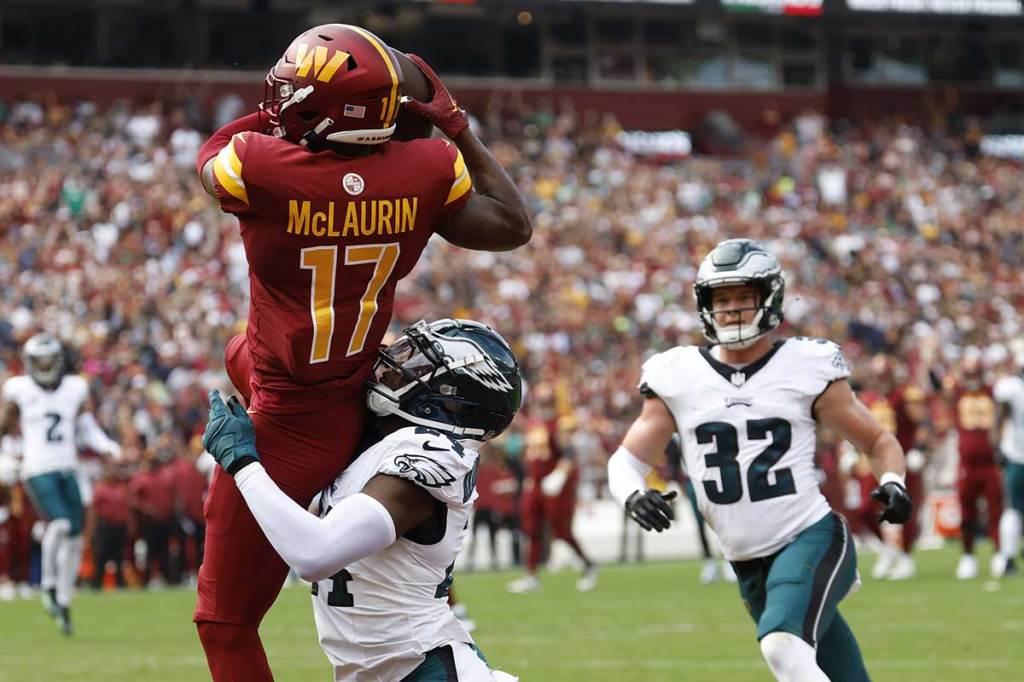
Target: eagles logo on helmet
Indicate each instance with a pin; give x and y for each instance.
(456, 376)
(740, 262)
(44, 360)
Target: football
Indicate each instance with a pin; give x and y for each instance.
(409, 125)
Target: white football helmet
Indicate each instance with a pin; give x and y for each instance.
(44, 359)
(740, 262)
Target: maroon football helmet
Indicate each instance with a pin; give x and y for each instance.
(335, 83)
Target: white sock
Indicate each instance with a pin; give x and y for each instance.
(790, 658)
(69, 558)
(1009, 532)
(55, 532)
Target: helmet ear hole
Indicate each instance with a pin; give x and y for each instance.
(307, 116)
(351, 63)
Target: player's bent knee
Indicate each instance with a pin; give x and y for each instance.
(790, 658)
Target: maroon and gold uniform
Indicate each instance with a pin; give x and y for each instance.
(974, 413)
(902, 400)
(327, 239)
(543, 452)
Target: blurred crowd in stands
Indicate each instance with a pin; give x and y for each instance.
(895, 240)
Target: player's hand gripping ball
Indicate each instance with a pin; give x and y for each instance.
(230, 435)
(442, 109)
(896, 500)
(651, 509)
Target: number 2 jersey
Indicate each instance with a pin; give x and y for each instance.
(327, 238)
(47, 419)
(379, 616)
(748, 437)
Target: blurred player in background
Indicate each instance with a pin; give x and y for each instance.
(549, 492)
(333, 212)
(974, 412)
(900, 407)
(390, 527)
(1009, 393)
(53, 411)
(747, 411)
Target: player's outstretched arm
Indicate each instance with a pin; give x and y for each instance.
(357, 527)
(495, 217)
(641, 449)
(840, 410)
(9, 419)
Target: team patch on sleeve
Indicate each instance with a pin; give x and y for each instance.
(227, 168)
(424, 470)
(462, 183)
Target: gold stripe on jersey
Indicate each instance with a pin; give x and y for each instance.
(463, 183)
(228, 169)
(389, 112)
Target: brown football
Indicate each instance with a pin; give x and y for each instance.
(409, 125)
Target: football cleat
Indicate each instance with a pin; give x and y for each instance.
(904, 568)
(967, 567)
(709, 572)
(527, 583)
(588, 580)
(49, 597)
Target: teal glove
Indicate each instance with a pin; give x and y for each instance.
(230, 436)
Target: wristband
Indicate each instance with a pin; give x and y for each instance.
(892, 477)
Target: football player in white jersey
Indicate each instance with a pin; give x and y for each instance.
(1009, 393)
(747, 408)
(53, 411)
(381, 548)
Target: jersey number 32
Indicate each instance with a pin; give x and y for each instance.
(726, 440)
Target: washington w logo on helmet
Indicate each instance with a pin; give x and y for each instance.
(323, 69)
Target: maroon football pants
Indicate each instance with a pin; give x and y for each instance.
(973, 483)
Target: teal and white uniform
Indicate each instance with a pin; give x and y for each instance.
(386, 618)
(749, 438)
(49, 452)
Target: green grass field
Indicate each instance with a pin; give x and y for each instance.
(643, 623)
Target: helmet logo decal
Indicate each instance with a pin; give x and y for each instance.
(353, 183)
(424, 470)
(316, 59)
(488, 374)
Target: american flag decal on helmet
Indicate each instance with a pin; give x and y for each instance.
(353, 111)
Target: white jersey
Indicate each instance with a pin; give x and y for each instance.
(1010, 391)
(379, 616)
(749, 437)
(47, 421)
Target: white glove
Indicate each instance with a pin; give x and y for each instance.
(553, 483)
(114, 452)
(915, 460)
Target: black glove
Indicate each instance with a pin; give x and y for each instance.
(896, 500)
(651, 509)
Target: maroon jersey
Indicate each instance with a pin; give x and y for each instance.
(881, 408)
(110, 500)
(906, 428)
(190, 488)
(975, 415)
(542, 450)
(151, 493)
(327, 239)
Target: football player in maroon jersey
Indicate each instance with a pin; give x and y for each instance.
(549, 493)
(974, 412)
(333, 210)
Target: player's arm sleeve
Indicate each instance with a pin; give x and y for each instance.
(828, 366)
(229, 173)
(92, 436)
(459, 183)
(220, 139)
(357, 527)
(441, 469)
